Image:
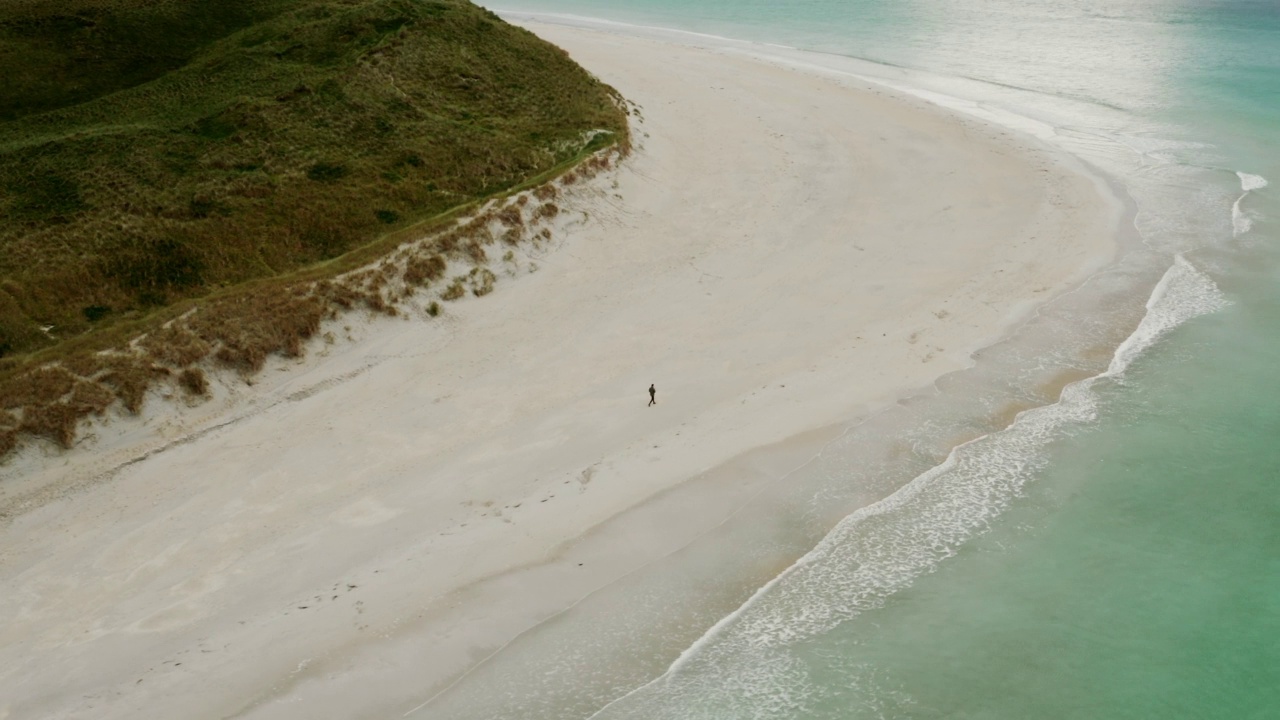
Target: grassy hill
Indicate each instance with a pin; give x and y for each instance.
(154, 151)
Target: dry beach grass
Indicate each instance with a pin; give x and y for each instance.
(241, 329)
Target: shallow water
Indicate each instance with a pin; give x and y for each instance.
(1113, 554)
(1137, 577)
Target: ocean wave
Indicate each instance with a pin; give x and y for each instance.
(1250, 182)
(1241, 220)
(746, 666)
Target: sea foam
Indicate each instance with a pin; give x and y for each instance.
(1241, 220)
(1251, 182)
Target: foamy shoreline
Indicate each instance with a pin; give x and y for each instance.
(785, 252)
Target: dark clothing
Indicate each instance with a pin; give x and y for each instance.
(652, 396)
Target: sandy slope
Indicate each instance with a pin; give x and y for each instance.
(783, 252)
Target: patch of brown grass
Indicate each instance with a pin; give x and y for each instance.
(547, 210)
(421, 271)
(476, 252)
(45, 384)
(511, 216)
(375, 301)
(193, 380)
(129, 377)
(449, 241)
(482, 280)
(175, 345)
(90, 397)
(248, 328)
(8, 433)
(478, 229)
(456, 289)
(339, 295)
(56, 421)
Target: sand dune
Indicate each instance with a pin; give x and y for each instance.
(785, 250)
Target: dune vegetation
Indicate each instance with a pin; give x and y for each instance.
(157, 157)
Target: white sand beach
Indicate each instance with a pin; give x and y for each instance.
(785, 250)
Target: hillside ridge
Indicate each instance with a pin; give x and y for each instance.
(306, 129)
(212, 211)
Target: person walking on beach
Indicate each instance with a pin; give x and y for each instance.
(652, 395)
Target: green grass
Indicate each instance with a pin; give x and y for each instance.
(156, 153)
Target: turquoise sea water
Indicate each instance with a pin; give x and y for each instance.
(1113, 554)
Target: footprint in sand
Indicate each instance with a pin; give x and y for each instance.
(585, 477)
